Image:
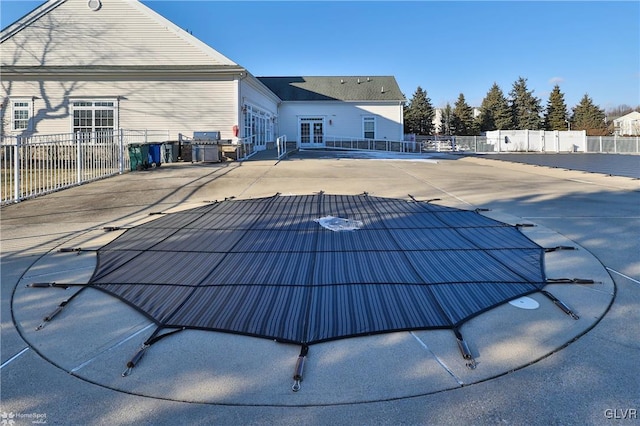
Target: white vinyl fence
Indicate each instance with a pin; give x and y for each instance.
(545, 141)
(39, 164)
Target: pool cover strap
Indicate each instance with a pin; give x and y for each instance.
(558, 248)
(560, 304)
(569, 281)
(464, 350)
(150, 341)
(59, 309)
(51, 284)
(297, 375)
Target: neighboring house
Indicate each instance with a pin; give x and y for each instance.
(437, 118)
(627, 125)
(75, 66)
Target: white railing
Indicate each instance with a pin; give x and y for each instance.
(246, 147)
(35, 165)
(281, 144)
(338, 142)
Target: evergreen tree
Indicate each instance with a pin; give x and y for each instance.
(525, 108)
(494, 111)
(462, 123)
(555, 117)
(589, 117)
(418, 116)
(446, 119)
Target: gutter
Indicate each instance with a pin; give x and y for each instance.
(93, 71)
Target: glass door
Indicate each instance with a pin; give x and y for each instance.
(318, 134)
(311, 131)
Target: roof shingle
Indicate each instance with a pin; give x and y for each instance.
(345, 88)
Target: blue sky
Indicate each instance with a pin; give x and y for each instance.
(447, 48)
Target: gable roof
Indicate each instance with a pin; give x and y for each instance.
(117, 33)
(634, 115)
(345, 88)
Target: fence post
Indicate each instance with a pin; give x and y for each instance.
(78, 157)
(121, 148)
(615, 144)
(600, 144)
(16, 169)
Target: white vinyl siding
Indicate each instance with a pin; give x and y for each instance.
(175, 106)
(259, 111)
(342, 119)
(91, 38)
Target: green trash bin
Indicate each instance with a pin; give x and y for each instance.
(139, 156)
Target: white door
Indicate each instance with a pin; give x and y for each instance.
(311, 132)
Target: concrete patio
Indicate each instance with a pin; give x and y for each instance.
(535, 366)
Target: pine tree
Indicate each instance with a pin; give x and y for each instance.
(418, 116)
(555, 117)
(588, 116)
(494, 111)
(462, 121)
(446, 120)
(525, 108)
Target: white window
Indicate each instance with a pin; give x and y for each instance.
(369, 127)
(258, 125)
(94, 116)
(22, 111)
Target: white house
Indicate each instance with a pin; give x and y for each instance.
(627, 125)
(339, 107)
(77, 66)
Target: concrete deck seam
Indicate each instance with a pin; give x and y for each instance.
(440, 361)
(126, 339)
(622, 275)
(13, 358)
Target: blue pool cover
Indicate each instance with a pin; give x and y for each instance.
(267, 267)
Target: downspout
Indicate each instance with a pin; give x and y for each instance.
(277, 123)
(239, 106)
(401, 121)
